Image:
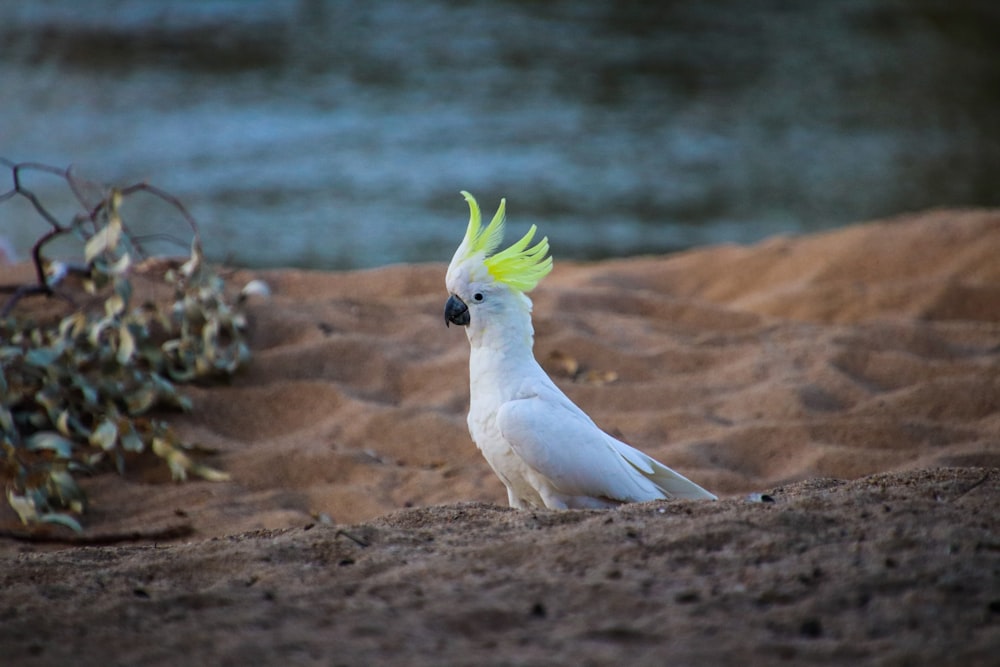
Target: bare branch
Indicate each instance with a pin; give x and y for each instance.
(170, 199)
(16, 169)
(94, 213)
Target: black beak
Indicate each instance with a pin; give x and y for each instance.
(456, 312)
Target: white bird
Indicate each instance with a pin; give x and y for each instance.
(546, 450)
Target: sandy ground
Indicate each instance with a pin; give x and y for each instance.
(851, 377)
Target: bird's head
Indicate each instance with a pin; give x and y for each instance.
(488, 286)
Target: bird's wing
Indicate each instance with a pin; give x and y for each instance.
(563, 445)
(559, 441)
(671, 482)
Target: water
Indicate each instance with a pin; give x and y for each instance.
(337, 135)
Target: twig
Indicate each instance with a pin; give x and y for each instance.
(170, 199)
(92, 213)
(975, 485)
(16, 169)
(357, 540)
(19, 293)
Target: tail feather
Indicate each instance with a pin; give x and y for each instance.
(676, 485)
(672, 483)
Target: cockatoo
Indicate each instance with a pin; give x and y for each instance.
(546, 450)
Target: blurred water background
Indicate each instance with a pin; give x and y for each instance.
(337, 135)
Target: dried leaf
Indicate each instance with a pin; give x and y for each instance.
(126, 345)
(115, 305)
(6, 420)
(141, 400)
(72, 325)
(94, 337)
(210, 474)
(189, 267)
(105, 435)
(55, 271)
(131, 442)
(52, 442)
(561, 363)
(87, 390)
(177, 460)
(121, 266)
(23, 505)
(66, 490)
(62, 423)
(105, 239)
(600, 377)
(41, 357)
(62, 520)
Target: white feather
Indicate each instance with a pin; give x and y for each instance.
(544, 448)
(573, 463)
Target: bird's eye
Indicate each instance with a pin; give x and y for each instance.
(477, 297)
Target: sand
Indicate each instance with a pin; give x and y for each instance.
(851, 377)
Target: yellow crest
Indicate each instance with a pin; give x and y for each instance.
(518, 266)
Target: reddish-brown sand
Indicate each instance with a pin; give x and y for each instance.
(852, 376)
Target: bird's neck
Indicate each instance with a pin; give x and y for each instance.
(501, 359)
(501, 350)
(509, 334)
(509, 342)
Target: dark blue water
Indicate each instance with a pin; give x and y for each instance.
(337, 135)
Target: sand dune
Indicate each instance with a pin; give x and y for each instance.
(864, 351)
(743, 367)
